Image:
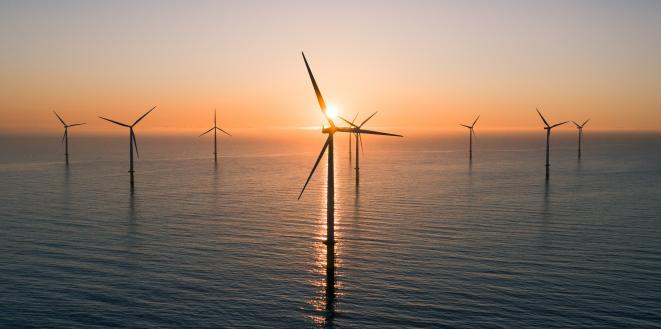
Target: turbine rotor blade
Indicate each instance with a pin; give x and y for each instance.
(206, 132)
(584, 123)
(228, 134)
(320, 98)
(373, 114)
(347, 121)
(58, 116)
(469, 127)
(354, 118)
(370, 132)
(115, 122)
(77, 124)
(64, 136)
(576, 124)
(362, 148)
(541, 116)
(474, 122)
(321, 154)
(558, 124)
(473, 132)
(135, 143)
(144, 115)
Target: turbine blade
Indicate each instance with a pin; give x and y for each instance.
(372, 132)
(228, 134)
(77, 124)
(584, 123)
(373, 114)
(214, 117)
(135, 143)
(347, 121)
(320, 98)
(354, 118)
(321, 154)
(115, 122)
(144, 115)
(58, 116)
(362, 148)
(541, 116)
(576, 124)
(64, 136)
(206, 132)
(474, 122)
(558, 124)
(469, 127)
(473, 132)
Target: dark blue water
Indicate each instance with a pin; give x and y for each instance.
(428, 240)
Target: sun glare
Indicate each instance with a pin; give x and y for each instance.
(331, 112)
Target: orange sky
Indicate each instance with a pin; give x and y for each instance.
(426, 65)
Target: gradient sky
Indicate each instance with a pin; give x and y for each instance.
(425, 65)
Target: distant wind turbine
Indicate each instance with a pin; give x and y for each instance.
(215, 129)
(359, 140)
(548, 136)
(65, 137)
(580, 135)
(471, 133)
(330, 194)
(132, 140)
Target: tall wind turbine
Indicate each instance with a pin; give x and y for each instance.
(330, 194)
(471, 133)
(580, 135)
(65, 137)
(215, 129)
(132, 140)
(548, 136)
(359, 140)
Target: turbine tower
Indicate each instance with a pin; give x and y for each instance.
(471, 133)
(215, 129)
(65, 137)
(359, 140)
(330, 194)
(132, 140)
(580, 135)
(548, 128)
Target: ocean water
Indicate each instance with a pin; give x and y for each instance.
(427, 240)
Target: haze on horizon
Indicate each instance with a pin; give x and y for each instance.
(425, 65)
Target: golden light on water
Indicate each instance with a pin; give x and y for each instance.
(323, 304)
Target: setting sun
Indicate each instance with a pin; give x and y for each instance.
(331, 112)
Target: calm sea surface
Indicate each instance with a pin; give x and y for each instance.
(428, 240)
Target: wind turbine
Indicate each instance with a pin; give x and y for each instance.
(330, 194)
(580, 134)
(132, 140)
(215, 129)
(471, 133)
(65, 137)
(548, 136)
(359, 140)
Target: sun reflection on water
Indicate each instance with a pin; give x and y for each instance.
(327, 285)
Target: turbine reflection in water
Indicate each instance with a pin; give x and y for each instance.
(326, 263)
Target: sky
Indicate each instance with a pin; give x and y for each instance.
(426, 66)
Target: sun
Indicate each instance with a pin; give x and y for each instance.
(331, 112)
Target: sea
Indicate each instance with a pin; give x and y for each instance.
(425, 239)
